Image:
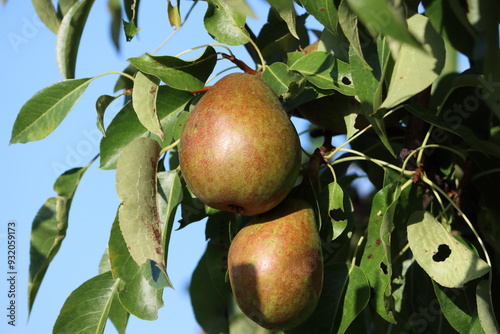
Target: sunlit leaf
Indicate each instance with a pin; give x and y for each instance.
(136, 292)
(444, 258)
(336, 203)
(42, 113)
(86, 309)
(69, 35)
(136, 186)
(324, 11)
(47, 13)
(178, 73)
(286, 11)
(279, 77)
(408, 79)
(144, 102)
(49, 229)
(130, 27)
(225, 24)
(125, 127)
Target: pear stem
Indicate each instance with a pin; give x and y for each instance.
(240, 64)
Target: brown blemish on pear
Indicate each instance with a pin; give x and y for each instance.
(275, 266)
(238, 150)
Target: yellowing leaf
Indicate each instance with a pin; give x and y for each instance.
(444, 258)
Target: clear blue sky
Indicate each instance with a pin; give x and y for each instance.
(28, 171)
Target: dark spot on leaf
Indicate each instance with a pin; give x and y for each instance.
(442, 254)
(322, 9)
(377, 242)
(370, 256)
(346, 81)
(383, 267)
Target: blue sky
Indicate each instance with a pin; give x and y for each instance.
(28, 171)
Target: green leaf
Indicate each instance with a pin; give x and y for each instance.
(415, 69)
(130, 30)
(225, 24)
(137, 294)
(131, 8)
(324, 11)
(174, 15)
(101, 104)
(115, 11)
(125, 127)
(487, 147)
(456, 307)
(136, 186)
(367, 84)
(279, 77)
(376, 261)
(485, 308)
(43, 112)
(69, 35)
(144, 102)
(445, 259)
(383, 16)
(349, 24)
(336, 203)
(47, 13)
(178, 73)
(49, 229)
(86, 309)
(345, 294)
(325, 72)
(287, 13)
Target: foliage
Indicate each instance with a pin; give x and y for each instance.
(382, 76)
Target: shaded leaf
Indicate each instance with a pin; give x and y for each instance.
(43, 112)
(49, 229)
(174, 15)
(336, 203)
(137, 293)
(178, 73)
(324, 11)
(47, 13)
(130, 27)
(138, 214)
(125, 127)
(408, 79)
(348, 22)
(86, 309)
(451, 302)
(101, 105)
(115, 11)
(385, 17)
(225, 24)
(130, 30)
(279, 77)
(144, 102)
(485, 308)
(445, 259)
(69, 35)
(287, 13)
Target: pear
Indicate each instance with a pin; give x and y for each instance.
(275, 266)
(238, 150)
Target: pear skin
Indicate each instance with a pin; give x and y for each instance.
(239, 151)
(275, 266)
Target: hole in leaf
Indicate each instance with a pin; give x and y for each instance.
(346, 81)
(383, 267)
(442, 254)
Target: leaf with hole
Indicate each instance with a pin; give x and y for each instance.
(444, 258)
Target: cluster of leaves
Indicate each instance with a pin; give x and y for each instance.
(410, 257)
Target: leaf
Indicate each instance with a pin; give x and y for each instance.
(125, 127)
(367, 84)
(279, 77)
(325, 72)
(324, 11)
(49, 229)
(415, 69)
(225, 24)
(336, 206)
(485, 308)
(487, 147)
(136, 293)
(86, 309)
(43, 112)
(376, 261)
(174, 15)
(131, 8)
(115, 11)
(345, 294)
(178, 73)
(101, 104)
(68, 37)
(445, 259)
(287, 13)
(47, 13)
(144, 102)
(136, 186)
(348, 22)
(382, 16)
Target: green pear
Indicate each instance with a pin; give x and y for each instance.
(238, 150)
(275, 266)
